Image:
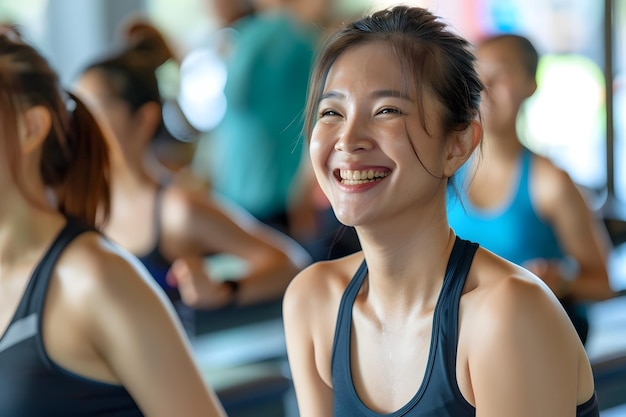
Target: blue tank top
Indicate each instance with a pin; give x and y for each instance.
(31, 383)
(439, 394)
(514, 231)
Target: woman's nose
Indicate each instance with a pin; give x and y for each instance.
(354, 137)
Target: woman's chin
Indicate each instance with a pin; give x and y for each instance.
(350, 219)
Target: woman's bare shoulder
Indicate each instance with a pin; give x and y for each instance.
(98, 266)
(512, 324)
(491, 274)
(550, 182)
(321, 285)
(326, 276)
(510, 299)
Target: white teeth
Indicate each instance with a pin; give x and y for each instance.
(354, 177)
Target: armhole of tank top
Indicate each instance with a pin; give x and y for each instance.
(158, 216)
(29, 302)
(66, 237)
(42, 274)
(344, 313)
(73, 231)
(466, 260)
(589, 407)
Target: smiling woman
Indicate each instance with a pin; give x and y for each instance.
(425, 322)
(366, 124)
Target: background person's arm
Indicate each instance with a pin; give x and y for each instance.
(581, 236)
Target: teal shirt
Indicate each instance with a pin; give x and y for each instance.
(257, 147)
(513, 230)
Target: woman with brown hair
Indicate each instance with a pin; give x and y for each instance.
(421, 322)
(168, 226)
(84, 331)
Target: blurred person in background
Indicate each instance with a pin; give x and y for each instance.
(168, 152)
(170, 227)
(519, 204)
(253, 155)
(85, 330)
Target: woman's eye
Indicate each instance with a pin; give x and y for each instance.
(389, 110)
(326, 113)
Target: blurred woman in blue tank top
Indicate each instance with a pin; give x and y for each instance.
(520, 205)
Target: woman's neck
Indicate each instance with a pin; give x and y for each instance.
(129, 173)
(406, 263)
(500, 148)
(25, 224)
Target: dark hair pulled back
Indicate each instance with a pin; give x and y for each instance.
(74, 160)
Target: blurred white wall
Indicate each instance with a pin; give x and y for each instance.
(78, 31)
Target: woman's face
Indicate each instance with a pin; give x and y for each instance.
(507, 83)
(366, 141)
(112, 113)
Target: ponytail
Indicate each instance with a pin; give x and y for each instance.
(74, 160)
(82, 181)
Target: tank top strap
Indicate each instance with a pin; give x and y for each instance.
(35, 293)
(341, 343)
(158, 211)
(456, 264)
(459, 266)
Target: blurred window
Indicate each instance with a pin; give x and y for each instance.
(29, 14)
(185, 22)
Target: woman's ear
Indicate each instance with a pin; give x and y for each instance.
(36, 125)
(461, 146)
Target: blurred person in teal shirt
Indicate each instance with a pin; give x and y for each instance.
(253, 155)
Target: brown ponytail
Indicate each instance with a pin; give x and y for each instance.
(82, 181)
(74, 159)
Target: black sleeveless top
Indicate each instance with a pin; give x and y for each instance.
(31, 383)
(154, 261)
(439, 394)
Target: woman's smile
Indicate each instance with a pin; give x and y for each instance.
(353, 177)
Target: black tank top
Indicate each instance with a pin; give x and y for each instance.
(439, 394)
(154, 261)
(31, 383)
(158, 267)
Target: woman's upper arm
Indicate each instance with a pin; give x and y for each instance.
(315, 397)
(523, 356)
(580, 234)
(136, 332)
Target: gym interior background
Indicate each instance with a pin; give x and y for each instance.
(582, 77)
